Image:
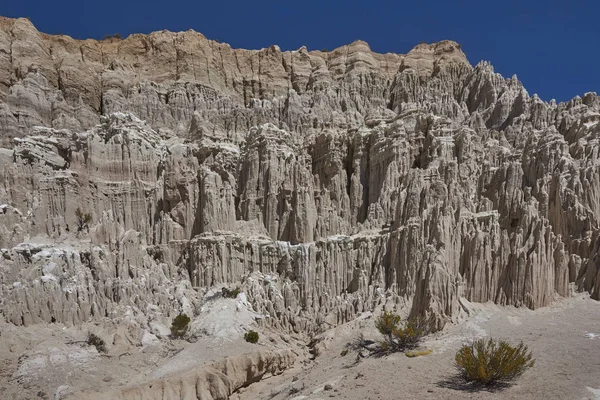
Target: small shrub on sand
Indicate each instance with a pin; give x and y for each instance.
(96, 341)
(179, 326)
(487, 362)
(251, 336)
(386, 323)
(400, 338)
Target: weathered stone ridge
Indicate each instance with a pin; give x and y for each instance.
(165, 77)
(217, 381)
(324, 183)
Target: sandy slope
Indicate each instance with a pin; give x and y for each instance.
(561, 337)
(50, 361)
(42, 362)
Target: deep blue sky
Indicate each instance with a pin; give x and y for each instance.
(553, 46)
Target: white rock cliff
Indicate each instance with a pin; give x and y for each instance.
(325, 183)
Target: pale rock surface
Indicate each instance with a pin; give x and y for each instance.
(217, 381)
(324, 183)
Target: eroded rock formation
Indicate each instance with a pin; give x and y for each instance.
(324, 183)
(217, 381)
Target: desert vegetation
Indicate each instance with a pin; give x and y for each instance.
(251, 336)
(179, 326)
(96, 341)
(400, 336)
(487, 362)
(230, 293)
(83, 220)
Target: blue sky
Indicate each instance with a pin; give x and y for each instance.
(552, 46)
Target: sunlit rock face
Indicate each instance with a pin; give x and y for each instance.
(324, 183)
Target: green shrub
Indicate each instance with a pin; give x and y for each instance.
(400, 338)
(96, 341)
(179, 326)
(386, 323)
(251, 336)
(489, 362)
(230, 294)
(83, 220)
(411, 334)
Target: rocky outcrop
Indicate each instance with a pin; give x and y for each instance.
(165, 77)
(217, 381)
(325, 183)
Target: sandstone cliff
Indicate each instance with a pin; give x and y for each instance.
(325, 183)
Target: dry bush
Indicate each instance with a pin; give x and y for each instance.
(96, 341)
(179, 326)
(386, 323)
(230, 293)
(83, 220)
(400, 338)
(490, 362)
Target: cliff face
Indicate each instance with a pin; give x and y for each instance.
(326, 183)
